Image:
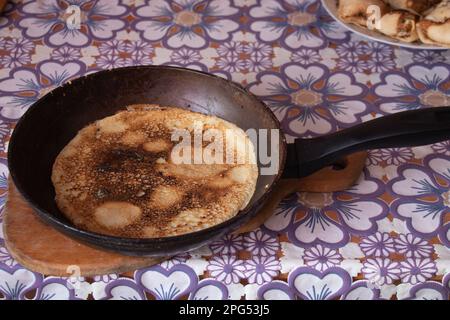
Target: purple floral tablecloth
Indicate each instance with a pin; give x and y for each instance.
(388, 237)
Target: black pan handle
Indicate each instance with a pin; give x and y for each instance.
(403, 129)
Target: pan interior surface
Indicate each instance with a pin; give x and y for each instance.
(56, 118)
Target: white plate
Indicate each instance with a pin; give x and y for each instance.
(332, 8)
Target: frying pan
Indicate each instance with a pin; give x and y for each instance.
(54, 120)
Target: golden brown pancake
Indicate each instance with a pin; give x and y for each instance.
(414, 6)
(435, 27)
(355, 11)
(118, 176)
(404, 20)
(399, 25)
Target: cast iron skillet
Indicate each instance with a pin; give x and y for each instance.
(55, 119)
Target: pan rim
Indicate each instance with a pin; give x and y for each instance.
(94, 236)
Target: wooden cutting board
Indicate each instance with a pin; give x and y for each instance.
(41, 248)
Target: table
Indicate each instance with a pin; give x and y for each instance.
(388, 237)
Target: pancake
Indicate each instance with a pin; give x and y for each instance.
(355, 11)
(122, 175)
(417, 7)
(404, 20)
(399, 25)
(435, 27)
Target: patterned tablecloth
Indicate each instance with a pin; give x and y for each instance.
(387, 237)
